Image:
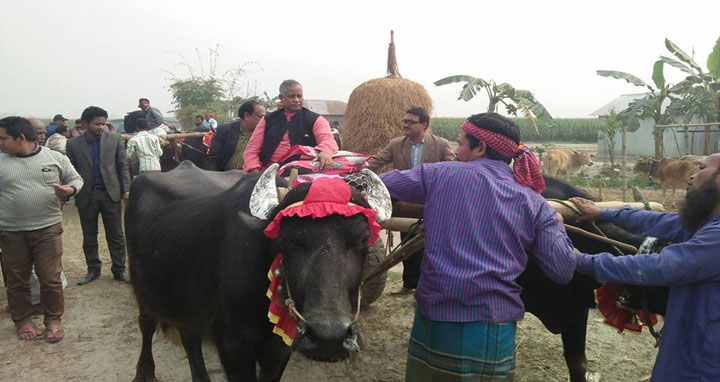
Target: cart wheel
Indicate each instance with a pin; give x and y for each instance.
(372, 289)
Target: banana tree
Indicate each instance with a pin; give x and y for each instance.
(699, 92)
(514, 100)
(650, 106)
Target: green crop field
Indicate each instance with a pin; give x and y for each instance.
(574, 130)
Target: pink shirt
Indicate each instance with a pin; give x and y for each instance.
(323, 137)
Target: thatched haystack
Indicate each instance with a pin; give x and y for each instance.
(376, 109)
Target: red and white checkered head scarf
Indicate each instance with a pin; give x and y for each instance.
(526, 167)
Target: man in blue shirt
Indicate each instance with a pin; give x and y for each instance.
(690, 342)
(58, 120)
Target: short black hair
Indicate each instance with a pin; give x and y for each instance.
(247, 107)
(199, 116)
(17, 126)
(61, 129)
(421, 113)
(141, 124)
(498, 124)
(78, 121)
(92, 112)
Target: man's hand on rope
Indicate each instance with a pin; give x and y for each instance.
(587, 208)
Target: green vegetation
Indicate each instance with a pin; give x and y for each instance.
(697, 97)
(575, 130)
(514, 100)
(634, 180)
(205, 92)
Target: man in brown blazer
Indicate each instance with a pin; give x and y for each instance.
(416, 147)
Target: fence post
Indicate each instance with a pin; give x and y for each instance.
(706, 148)
(687, 141)
(623, 163)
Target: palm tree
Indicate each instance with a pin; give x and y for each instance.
(513, 99)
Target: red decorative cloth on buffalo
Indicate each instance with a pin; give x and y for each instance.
(526, 167)
(620, 318)
(326, 196)
(303, 159)
(278, 313)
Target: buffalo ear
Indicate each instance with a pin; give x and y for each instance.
(252, 223)
(264, 195)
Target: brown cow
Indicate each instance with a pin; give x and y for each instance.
(669, 172)
(565, 162)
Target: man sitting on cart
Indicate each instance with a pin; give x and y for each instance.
(290, 125)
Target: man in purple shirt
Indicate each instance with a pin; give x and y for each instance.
(481, 219)
(690, 342)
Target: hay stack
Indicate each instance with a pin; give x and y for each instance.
(376, 109)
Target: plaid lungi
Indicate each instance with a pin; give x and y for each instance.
(460, 351)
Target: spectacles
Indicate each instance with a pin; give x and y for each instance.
(409, 122)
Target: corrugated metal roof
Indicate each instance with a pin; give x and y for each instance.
(621, 103)
(326, 107)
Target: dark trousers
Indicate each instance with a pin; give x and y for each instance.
(101, 204)
(411, 266)
(21, 250)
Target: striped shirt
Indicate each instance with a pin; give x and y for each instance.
(416, 150)
(479, 223)
(146, 148)
(27, 198)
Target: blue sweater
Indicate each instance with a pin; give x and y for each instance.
(690, 343)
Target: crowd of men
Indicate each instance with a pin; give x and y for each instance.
(481, 217)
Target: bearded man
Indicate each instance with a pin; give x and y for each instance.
(690, 344)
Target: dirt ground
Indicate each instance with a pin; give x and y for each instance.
(102, 340)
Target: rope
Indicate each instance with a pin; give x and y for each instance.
(290, 303)
(613, 243)
(192, 148)
(646, 314)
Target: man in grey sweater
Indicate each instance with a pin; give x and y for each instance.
(33, 182)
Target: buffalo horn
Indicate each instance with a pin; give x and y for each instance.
(378, 195)
(264, 196)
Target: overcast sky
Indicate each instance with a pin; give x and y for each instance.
(61, 56)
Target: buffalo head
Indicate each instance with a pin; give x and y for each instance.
(322, 255)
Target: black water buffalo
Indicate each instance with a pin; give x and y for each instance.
(563, 309)
(199, 263)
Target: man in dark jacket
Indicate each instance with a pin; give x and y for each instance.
(99, 157)
(228, 143)
(290, 125)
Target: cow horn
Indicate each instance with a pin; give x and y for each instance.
(378, 195)
(264, 195)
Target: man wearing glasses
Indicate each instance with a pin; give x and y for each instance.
(416, 147)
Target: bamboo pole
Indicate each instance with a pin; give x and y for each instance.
(171, 137)
(399, 254)
(623, 162)
(622, 246)
(686, 135)
(672, 126)
(569, 212)
(399, 224)
(706, 146)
